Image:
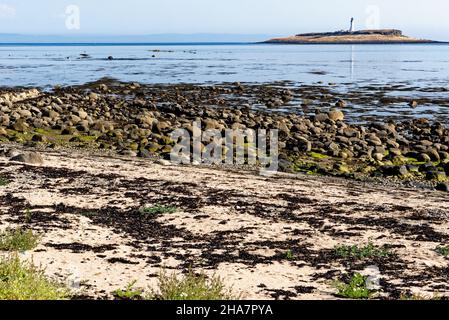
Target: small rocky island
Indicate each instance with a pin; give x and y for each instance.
(378, 36)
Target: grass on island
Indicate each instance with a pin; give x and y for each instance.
(24, 281)
(190, 287)
(356, 288)
(158, 210)
(18, 240)
(356, 252)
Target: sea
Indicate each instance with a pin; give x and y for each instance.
(417, 70)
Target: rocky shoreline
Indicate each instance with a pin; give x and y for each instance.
(136, 120)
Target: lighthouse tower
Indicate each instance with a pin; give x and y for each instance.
(351, 28)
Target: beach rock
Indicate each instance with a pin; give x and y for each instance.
(333, 147)
(4, 120)
(436, 176)
(51, 114)
(21, 126)
(67, 131)
(163, 162)
(444, 187)
(351, 133)
(340, 104)
(82, 114)
(321, 117)
(444, 156)
(29, 158)
(74, 119)
(378, 156)
(25, 114)
(93, 96)
(423, 157)
(38, 138)
(413, 104)
(303, 144)
(162, 126)
(147, 120)
(211, 124)
(433, 154)
(283, 128)
(400, 171)
(336, 115)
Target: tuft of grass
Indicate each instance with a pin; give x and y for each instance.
(28, 215)
(444, 251)
(24, 281)
(356, 252)
(355, 289)
(130, 293)
(190, 287)
(158, 210)
(289, 255)
(4, 181)
(18, 240)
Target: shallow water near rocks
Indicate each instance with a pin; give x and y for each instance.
(361, 74)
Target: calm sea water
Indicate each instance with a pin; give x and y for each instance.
(37, 65)
(407, 71)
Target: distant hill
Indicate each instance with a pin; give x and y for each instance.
(381, 36)
(152, 38)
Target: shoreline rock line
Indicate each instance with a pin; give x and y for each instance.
(136, 120)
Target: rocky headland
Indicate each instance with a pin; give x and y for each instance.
(381, 36)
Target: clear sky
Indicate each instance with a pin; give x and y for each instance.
(427, 19)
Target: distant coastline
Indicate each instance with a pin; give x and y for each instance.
(381, 36)
(119, 44)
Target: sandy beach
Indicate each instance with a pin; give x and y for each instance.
(236, 224)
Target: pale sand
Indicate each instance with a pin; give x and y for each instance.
(235, 224)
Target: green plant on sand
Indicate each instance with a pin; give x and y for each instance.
(356, 288)
(444, 251)
(24, 281)
(3, 181)
(130, 293)
(190, 287)
(158, 210)
(18, 240)
(367, 251)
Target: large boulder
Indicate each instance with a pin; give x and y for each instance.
(29, 158)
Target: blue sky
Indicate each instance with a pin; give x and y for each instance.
(283, 17)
